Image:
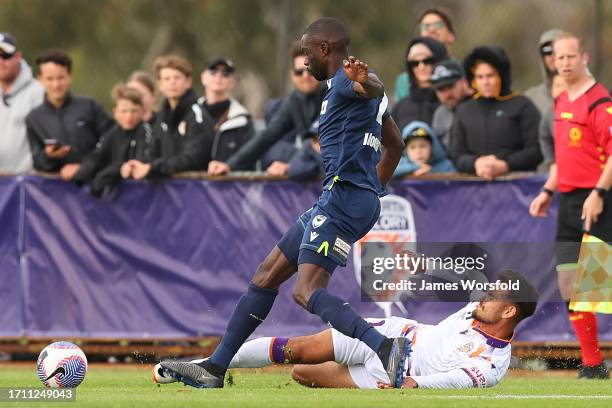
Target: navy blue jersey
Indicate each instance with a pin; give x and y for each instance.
(350, 134)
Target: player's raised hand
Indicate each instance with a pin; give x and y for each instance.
(355, 69)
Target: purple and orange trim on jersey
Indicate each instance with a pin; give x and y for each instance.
(492, 340)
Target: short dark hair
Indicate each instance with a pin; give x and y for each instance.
(525, 299)
(58, 57)
(440, 12)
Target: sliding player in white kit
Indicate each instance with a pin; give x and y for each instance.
(470, 348)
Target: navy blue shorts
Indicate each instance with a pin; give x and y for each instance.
(325, 234)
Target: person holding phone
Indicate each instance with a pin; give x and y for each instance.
(65, 128)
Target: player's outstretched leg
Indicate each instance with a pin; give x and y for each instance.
(252, 309)
(310, 293)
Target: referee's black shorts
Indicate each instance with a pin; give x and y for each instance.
(570, 225)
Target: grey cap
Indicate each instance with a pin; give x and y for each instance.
(8, 45)
(446, 72)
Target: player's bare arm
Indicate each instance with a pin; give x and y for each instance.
(366, 84)
(392, 152)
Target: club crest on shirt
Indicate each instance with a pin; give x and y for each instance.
(318, 220)
(466, 348)
(575, 134)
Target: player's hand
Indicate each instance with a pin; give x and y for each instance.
(592, 207)
(540, 205)
(217, 168)
(126, 169)
(56, 152)
(355, 69)
(424, 169)
(277, 168)
(408, 383)
(140, 170)
(383, 386)
(68, 171)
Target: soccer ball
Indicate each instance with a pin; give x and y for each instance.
(61, 365)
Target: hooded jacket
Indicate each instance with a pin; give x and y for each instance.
(540, 94)
(234, 130)
(25, 94)
(439, 161)
(79, 123)
(505, 125)
(421, 103)
(182, 138)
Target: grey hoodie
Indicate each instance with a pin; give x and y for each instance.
(540, 94)
(25, 95)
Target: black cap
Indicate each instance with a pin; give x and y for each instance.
(446, 72)
(8, 45)
(546, 48)
(214, 62)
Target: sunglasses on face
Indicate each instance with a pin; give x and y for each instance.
(300, 71)
(223, 72)
(427, 26)
(5, 56)
(415, 63)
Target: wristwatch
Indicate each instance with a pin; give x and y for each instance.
(602, 192)
(547, 191)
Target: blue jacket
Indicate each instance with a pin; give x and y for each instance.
(306, 164)
(440, 163)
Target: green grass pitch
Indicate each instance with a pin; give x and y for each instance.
(117, 386)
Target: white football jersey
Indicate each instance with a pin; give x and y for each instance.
(454, 353)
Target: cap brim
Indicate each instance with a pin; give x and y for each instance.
(8, 48)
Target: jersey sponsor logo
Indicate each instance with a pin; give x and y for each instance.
(479, 376)
(313, 235)
(370, 140)
(395, 224)
(575, 134)
(318, 220)
(323, 107)
(341, 249)
(567, 115)
(609, 110)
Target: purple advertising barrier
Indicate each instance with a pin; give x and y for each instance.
(171, 259)
(11, 291)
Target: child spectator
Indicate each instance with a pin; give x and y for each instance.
(144, 83)
(307, 163)
(424, 153)
(129, 139)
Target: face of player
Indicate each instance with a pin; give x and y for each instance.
(451, 95)
(9, 67)
(419, 150)
(314, 59)
(127, 114)
(487, 80)
(301, 78)
(492, 308)
(173, 83)
(420, 60)
(570, 63)
(434, 27)
(56, 80)
(219, 80)
(148, 98)
(557, 86)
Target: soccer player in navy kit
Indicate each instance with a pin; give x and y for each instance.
(354, 126)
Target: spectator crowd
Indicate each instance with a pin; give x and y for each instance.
(456, 116)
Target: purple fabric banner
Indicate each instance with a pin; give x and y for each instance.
(171, 259)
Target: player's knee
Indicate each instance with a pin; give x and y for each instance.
(264, 276)
(301, 296)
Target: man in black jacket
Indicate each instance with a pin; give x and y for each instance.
(65, 128)
(297, 111)
(496, 132)
(182, 138)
